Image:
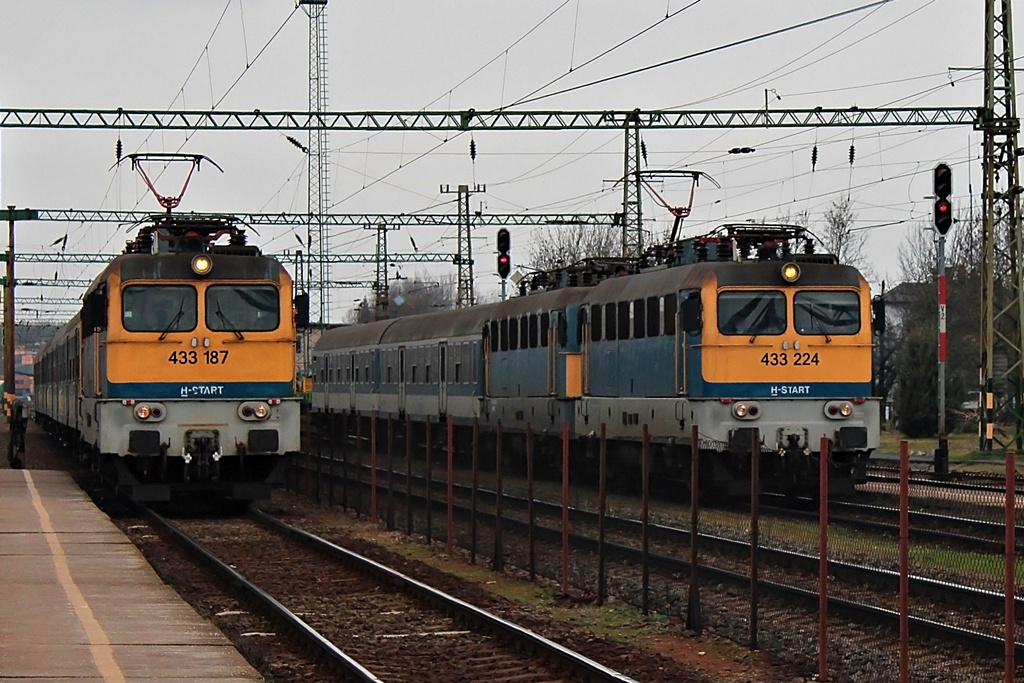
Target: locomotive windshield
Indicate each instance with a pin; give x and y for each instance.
(158, 308)
(242, 308)
(752, 313)
(825, 312)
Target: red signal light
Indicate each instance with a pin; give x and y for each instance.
(943, 215)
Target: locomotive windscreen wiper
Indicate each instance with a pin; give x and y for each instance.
(224, 319)
(174, 321)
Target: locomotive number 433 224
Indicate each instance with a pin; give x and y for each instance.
(208, 357)
(795, 358)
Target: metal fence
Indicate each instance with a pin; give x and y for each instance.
(907, 581)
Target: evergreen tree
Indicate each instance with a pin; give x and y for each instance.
(916, 402)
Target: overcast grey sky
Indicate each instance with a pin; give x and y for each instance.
(456, 54)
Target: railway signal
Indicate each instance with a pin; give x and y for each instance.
(504, 259)
(943, 187)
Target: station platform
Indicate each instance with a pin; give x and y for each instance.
(79, 602)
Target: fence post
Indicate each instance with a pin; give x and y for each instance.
(602, 500)
(904, 561)
(755, 528)
(693, 620)
(391, 472)
(529, 504)
(565, 508)
(823, 559)
(359, 464)
(450, 535)
(316, 423)
(408, 475)
(473, 493)
(499, 555)
(645, 495)
(430, 481)
(331, 422)
(344, 460)
(373, 466)
(308, 450)
(1009, 587)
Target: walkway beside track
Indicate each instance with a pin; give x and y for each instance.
(79, 602)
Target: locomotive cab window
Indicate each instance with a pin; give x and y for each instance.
(159, 308)
(751, 312)
(826, 312)
(242, 308)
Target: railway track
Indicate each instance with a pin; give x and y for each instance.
(861, 590)
(368, 621)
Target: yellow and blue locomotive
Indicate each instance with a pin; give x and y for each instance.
(177, 376)
(743, 328)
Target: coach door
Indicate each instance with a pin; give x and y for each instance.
(688, 338)
(442, 378)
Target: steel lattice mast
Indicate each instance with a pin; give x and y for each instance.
(632, 209)
(318, 166)
(1002, 300)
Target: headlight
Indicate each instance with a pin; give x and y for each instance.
(838, 410)
(202, 264)
(791, 272)
(746, 410)
(254, 410)
(149, 412)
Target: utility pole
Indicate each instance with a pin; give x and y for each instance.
(16, 419)
(1002, 306)
(464, 295)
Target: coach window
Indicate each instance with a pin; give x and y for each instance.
(595, 322)
(670, 314)
(653, 316)
(159, 308)
(545, 325)
(826, 312)
(751, 312)
(623, 319)
(242, 308)
(639, 319)
(609, 322)
(513, 334)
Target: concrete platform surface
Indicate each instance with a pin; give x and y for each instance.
(79, 602)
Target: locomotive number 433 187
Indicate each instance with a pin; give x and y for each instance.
(208, 357)
(795, 358)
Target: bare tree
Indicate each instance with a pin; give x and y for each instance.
(563, 245)
(421, 294)
(409, 296)
(841, 238)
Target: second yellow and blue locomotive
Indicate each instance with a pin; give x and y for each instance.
(740, 329)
